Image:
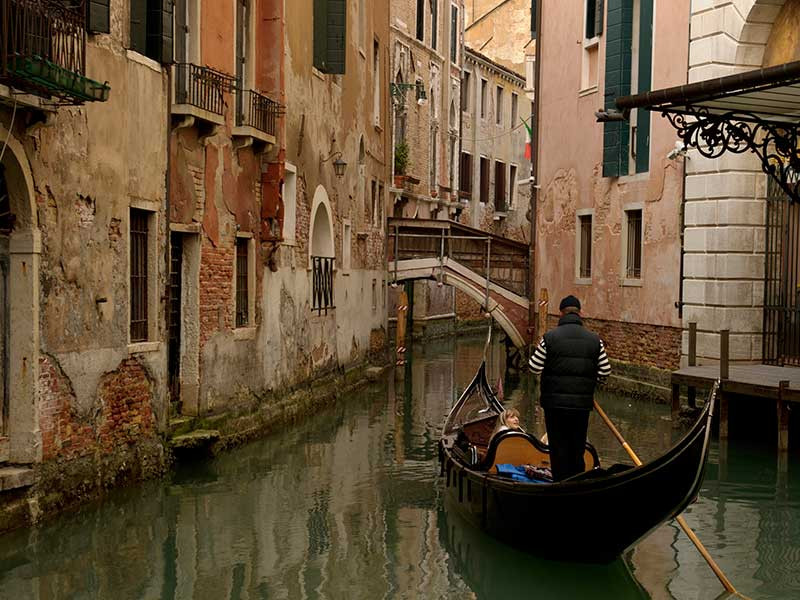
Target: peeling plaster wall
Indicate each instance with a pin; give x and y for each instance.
(570, 175)
(88, 164)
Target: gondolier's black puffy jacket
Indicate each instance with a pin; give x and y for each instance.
(570, 372)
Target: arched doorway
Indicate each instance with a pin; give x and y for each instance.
(321, 253)
(20, 246)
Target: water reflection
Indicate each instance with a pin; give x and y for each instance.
(347, 505)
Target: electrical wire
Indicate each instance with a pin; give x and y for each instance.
(498, 136)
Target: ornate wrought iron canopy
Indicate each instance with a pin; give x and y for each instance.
(756, 111)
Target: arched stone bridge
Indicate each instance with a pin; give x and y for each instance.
(491, 269)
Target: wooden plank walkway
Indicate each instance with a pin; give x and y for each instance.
(750, 380)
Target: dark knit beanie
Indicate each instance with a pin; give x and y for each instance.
(570, 301)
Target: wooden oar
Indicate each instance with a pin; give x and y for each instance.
(681, 521)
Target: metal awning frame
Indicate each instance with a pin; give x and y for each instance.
(707, 118)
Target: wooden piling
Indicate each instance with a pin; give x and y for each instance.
(783, 417)
(723, 375)
(676, 404)
(692, 391)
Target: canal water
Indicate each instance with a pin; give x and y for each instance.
(349, 505)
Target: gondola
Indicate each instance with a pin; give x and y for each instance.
(591, 517)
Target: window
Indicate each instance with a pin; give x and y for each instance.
(98, 16)
(633, 243)
(377, 211)
(629, 41)
(151, 29)
(500, 186)
(512, 185)
(421, 20)
(514, 109)
(484, 86)
(499, 106)
(454, 34)
(484, 191)
(594, 18)
(289, 197)
(242, 59)
(434, 160)
(465, 175)
(346, 245)
(376, 78)
(374, 295)
(140, 246)
(330, 30)
(242, 283)
(534, 7)
(584, 246)
(465, 81)
(434, 23)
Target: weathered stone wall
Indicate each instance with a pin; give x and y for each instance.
(502, 30)
(725, 209)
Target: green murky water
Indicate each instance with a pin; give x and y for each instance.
(349, 505)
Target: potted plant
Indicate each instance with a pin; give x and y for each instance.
(400, 159)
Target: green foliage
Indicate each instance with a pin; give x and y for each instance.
(400, 158)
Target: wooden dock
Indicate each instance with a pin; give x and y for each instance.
(768, 382)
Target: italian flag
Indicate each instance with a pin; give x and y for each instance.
(528, 147)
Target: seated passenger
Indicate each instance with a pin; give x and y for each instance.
(508, 419)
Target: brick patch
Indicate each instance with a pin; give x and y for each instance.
(122, 414)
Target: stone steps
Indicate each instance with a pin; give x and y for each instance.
(12, 478)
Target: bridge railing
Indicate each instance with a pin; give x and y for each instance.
(502, 261)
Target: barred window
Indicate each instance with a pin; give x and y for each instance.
(585, 264)
(633, 263)
(242, 284)
(139, 228)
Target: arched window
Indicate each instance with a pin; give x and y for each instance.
(321, 252)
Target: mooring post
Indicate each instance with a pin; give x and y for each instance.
(692, 391)
(676, 404)
(723, 376)
(783, 417)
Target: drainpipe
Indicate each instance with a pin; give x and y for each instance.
(532, 313)
(679, 303)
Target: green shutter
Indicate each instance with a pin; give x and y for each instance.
(159, 30)
(330, 41)
(337, 37)
(97, 16)
(645, 82)
(599, 16)
(320, 33)
(619, 31)
(139, 25)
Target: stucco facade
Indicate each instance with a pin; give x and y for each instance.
(501, 30)
(494, 138)
(617, 282)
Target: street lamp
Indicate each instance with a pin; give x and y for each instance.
(338, 165)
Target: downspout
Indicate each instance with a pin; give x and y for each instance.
(679, 303)
(167, 173)
(533, 326)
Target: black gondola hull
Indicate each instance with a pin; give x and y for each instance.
(589, 520)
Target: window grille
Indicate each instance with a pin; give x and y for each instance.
(139, 244)
(242, 288)
(585, 265)
(634, 255)
(322, 284)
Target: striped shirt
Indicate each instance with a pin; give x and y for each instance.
(536, 363)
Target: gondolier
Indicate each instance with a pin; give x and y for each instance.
(571, 360)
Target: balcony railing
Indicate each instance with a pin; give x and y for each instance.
(201, 87)
(322, 284)
(257, 111)
(43, 49)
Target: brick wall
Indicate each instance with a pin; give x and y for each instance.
(466, 308)
(122, 413)
(216, 290)
(651, 345)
